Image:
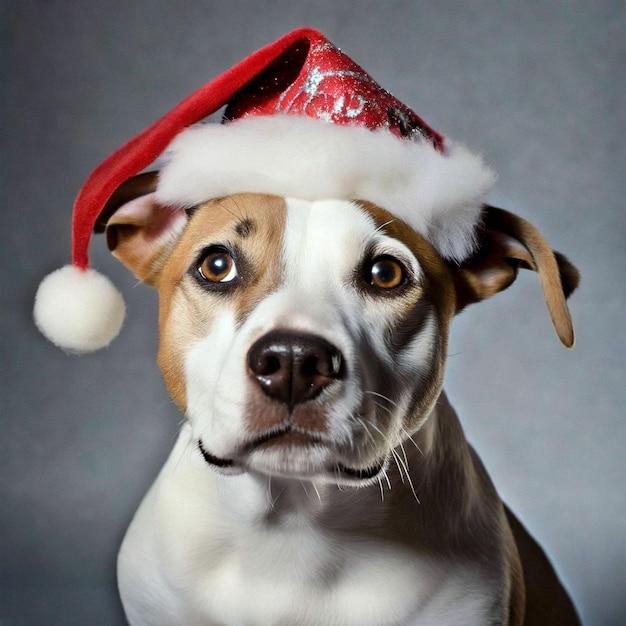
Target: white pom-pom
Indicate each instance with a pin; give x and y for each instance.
(78, 310)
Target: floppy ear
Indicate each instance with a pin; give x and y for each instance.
(140, 231)
(508, 242)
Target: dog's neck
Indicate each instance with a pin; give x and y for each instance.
(436, 449)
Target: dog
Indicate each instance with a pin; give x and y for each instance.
(321, 475)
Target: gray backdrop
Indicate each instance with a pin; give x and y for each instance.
(537, 86)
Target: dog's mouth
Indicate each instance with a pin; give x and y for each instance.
(286, 438)
(286, 444)
(361, 474)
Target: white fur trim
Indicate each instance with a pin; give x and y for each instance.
(439, 194)
(78, 310)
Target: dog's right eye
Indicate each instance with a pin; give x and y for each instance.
(217, 266)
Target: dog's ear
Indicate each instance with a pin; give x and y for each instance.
(506, 243)
(140, 231)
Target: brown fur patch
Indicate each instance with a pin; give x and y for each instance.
(252, 223)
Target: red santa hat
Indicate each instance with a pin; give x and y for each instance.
(301, 120)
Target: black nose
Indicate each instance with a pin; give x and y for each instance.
(293, 367)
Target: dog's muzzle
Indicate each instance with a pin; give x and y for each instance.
(291, 371)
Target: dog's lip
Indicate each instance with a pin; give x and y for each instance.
(211, 459)
(366, 473)
(286, 436)
(290, 437)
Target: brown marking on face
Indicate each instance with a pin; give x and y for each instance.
(438, 280)
(438, 293)
(253, 224)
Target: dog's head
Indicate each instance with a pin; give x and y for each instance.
(305, 338)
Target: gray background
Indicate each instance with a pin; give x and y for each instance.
(537, 86)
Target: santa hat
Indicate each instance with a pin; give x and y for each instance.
(302, 120)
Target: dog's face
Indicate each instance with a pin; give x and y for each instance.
(302, 339)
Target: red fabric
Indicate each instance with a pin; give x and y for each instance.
(315, 79)
(300, 74)
(145, 147)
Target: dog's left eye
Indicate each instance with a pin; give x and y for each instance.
(386, 273)
(217, 266)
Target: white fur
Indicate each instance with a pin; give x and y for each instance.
(439, 195)
(78, 310)
(202, 551)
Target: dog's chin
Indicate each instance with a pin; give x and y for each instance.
(293, 455)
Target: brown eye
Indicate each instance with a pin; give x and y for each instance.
(386, 273)
(218, 266)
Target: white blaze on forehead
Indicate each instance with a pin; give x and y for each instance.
(323, 243)
(326, 239)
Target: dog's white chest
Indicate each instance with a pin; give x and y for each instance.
(295, 577)
(245, 563)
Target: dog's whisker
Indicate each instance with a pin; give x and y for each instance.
(240, 214)
(380, 486)
(386, 476)
(319, 497)
(398, 461)
(183, 452)
(352, 418)
(383, 476)
(383, 408)
(365, 428)
(273, 500)
(389, 410)
(396, 458)
(382, 396)
(383, 226)
(406, 460)
(404, 466)
(451, 354)
(306, 493)
(383, 435)
(166, 402)
(409, 437)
